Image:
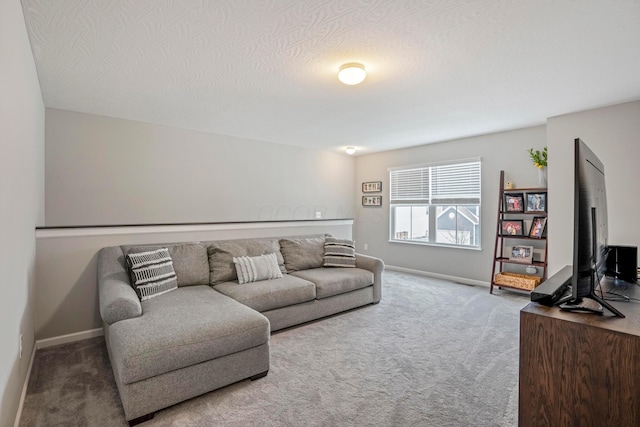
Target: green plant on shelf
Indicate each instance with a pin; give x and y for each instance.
(538, 157)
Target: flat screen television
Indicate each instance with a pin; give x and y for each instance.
(590, 233)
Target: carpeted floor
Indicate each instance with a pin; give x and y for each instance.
(432, 353)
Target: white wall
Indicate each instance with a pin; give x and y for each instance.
(613, 134)
(506, 151)
(101, 171)
(21, 200)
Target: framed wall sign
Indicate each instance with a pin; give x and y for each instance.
(372, 187)
(371, 200)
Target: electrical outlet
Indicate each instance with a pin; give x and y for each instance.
(318, 215)
(366, 247)
(20, 346)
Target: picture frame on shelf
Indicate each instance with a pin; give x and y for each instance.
(538, 224)
(372, 201)
(536, 202)
(514, 202)
(521, 254)
(372, 187)
(512, 227)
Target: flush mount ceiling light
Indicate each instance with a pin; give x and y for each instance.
(352, 73)
(350, 150)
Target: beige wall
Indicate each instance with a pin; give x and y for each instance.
(101, 170)
(106, 171)
(613, 134)
(506, 151)
(21, 200)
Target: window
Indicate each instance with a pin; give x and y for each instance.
(436, 204)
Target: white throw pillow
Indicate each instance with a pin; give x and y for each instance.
(253, 269)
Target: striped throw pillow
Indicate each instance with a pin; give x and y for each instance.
(339, 252)
(254, 269)
(152, 273)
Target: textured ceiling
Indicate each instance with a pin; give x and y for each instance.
(266, 69)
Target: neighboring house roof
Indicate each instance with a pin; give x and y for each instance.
(465, 212)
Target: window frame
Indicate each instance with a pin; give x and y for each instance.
(470, 167)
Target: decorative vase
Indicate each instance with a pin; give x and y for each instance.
(542, 177)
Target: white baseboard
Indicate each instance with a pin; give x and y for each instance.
(23, 395)
(462, 280)
(64, 339)
(50, 342)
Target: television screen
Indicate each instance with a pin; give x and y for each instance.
(590, 233)
(590, 220)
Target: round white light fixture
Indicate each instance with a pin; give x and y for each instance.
(350, 151)
(352, 73)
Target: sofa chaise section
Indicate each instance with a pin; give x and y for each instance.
(177, 346)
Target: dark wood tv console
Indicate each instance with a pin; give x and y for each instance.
(580, 369)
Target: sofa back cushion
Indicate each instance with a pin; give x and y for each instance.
(189, 261)
(302, 253)
(221, 253)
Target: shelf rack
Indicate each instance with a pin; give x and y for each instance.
(499, 260)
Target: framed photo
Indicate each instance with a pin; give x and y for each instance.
(536, 202)
(372, 187)
(537, 227)
(512, 227)
(522, 254)
(371, 200)
(513, 202)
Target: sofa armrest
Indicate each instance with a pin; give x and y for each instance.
(376, 266)
(118, 300)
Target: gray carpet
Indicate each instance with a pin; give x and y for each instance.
(432, 353)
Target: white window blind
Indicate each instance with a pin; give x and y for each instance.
(454, 183)
(410, 185)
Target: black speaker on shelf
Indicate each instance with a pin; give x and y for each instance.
(622, 262)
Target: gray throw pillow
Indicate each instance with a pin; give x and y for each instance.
(191, 263)
(254, 269)
(152, 273)
(302, 253)
(339, 252)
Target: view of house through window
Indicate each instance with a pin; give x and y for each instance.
(436, 204)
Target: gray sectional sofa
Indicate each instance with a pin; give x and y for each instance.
(213, 331)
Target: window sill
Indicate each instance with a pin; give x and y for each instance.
(441, 245)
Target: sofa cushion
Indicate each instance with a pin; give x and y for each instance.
(152, 273)
(257, 268)
(339, 252)
(221, 253)
(302, 253)
(334, 281)
(185, 327)
(189, 261)
(270, 294)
